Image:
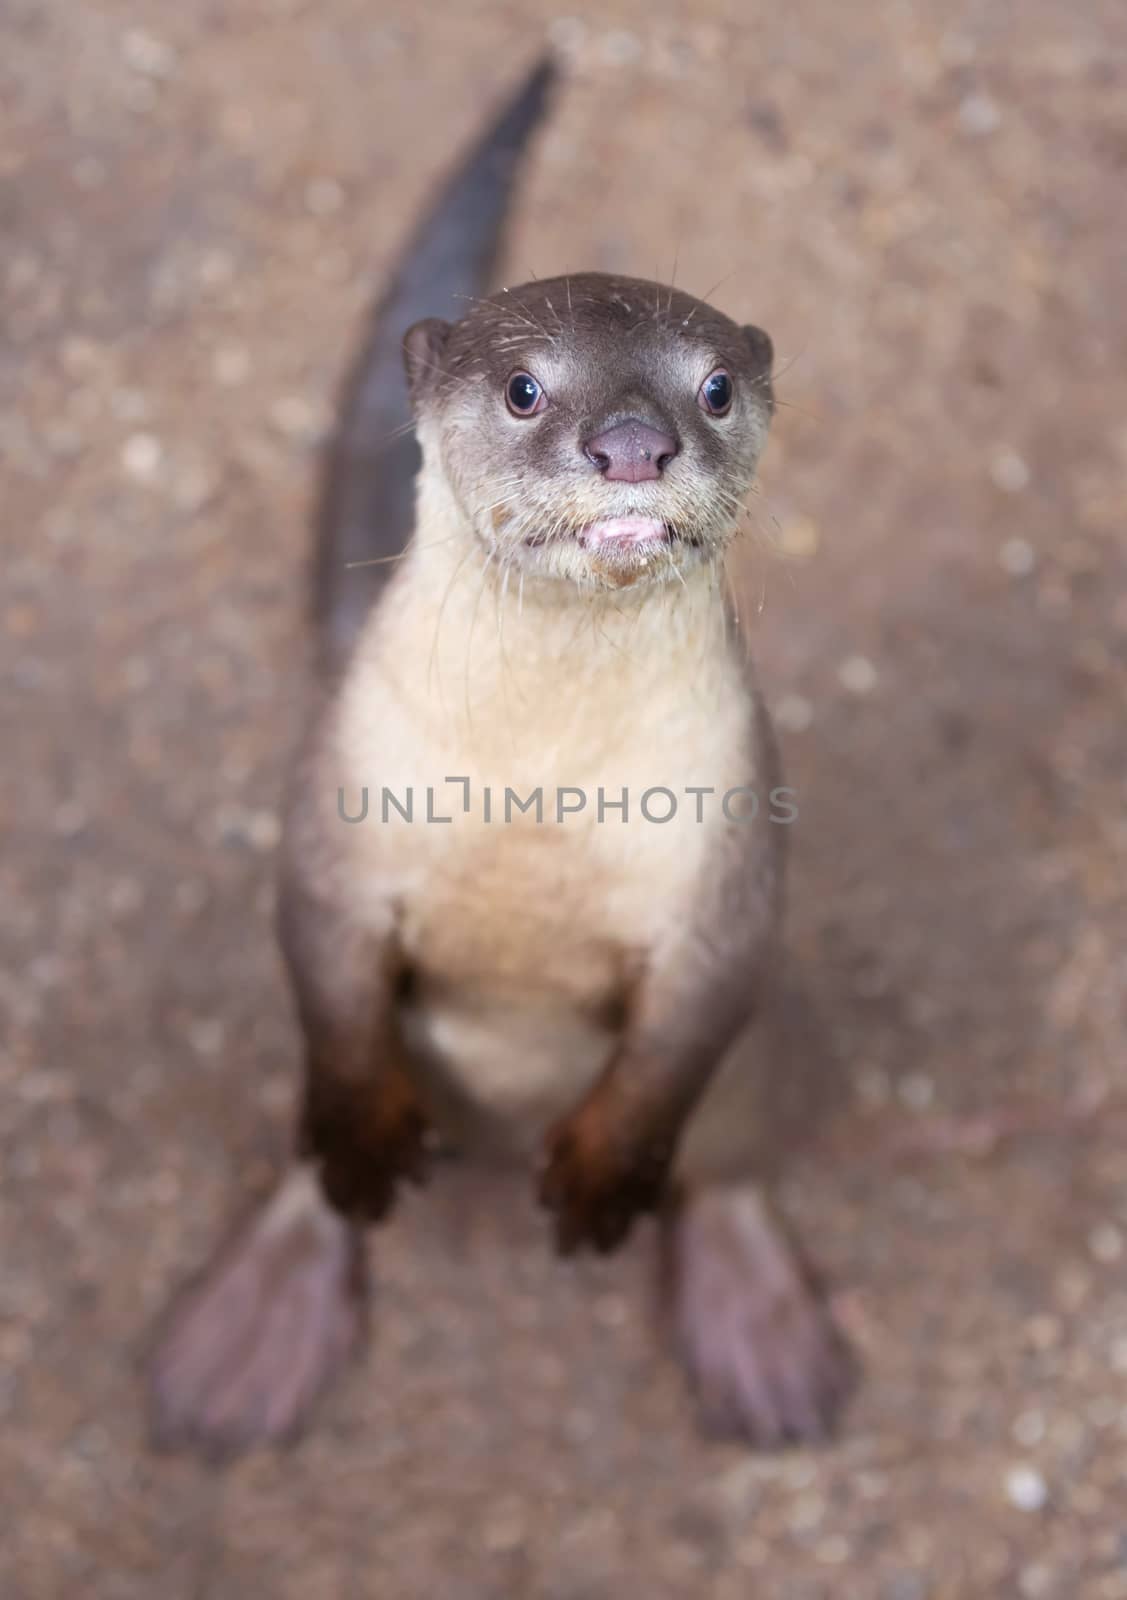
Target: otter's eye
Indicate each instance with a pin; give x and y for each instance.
(524, 396)
(715, 394)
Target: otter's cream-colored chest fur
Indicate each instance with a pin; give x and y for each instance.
(466, 696)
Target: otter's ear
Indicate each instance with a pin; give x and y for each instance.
(423, 346)
(761, 350)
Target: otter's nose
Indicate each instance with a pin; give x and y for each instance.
(631, 451)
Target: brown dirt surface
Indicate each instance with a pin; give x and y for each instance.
(925, 206)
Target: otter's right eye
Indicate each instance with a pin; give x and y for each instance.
(524, 396)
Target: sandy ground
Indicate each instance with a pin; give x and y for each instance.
(924, 204)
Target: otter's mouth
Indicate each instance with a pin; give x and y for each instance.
(631, 534)
(624, 533)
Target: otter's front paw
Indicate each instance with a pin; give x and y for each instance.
(365, 1141)
(596, 1182)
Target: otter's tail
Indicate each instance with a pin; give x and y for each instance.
(366, 508)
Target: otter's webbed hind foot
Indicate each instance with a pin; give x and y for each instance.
(250, 1347)
(764, 1356)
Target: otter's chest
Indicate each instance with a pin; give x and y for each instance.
(549, 862)
(540, 801)
(534, 908)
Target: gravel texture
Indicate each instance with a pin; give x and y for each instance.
(924, 204)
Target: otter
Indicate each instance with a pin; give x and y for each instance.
(572, 984)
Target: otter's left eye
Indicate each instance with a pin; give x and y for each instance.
(524, 396)
(715, 393)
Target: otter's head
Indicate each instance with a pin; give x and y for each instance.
(600, 429)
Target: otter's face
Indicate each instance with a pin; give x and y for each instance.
(595, 428)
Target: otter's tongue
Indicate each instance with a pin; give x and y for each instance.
(622, 531)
